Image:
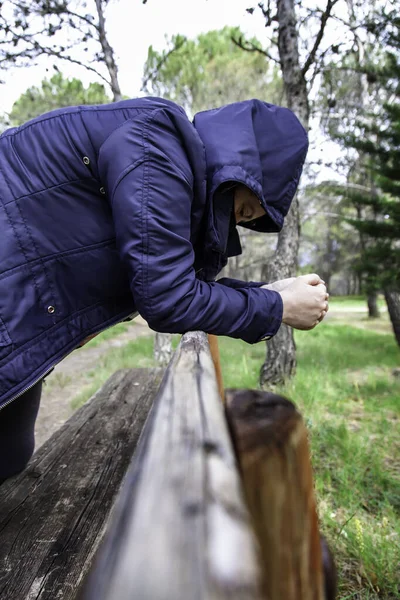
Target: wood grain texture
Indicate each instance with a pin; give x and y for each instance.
(53, 515)
(272, 448)
(215, 355)
(180, 529)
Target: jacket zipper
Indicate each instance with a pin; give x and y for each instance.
(28, 388)
(54, 365)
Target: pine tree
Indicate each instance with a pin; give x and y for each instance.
(378, 139)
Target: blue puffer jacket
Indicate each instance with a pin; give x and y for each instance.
(105, 210)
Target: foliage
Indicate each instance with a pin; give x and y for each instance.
(55, 93)
(351, 99)
(348, 81)
(209, 71)
(328, 244)
(378, 139)
(4, 123)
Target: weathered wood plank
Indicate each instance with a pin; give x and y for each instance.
(53, 516)
(180, 529)
(272, 447)
(216, 358)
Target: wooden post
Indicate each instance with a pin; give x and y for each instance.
(273, 453)
(180, 529)
(215, 355)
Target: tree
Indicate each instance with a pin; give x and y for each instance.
(328, 245)
(209, 71)
(32, 28)
(356, 89)
(55, 93)
(349, 89)
(379, 139)
(282, 26)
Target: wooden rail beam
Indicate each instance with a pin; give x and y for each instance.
(53, 514)
(215, 355)
(180, 529)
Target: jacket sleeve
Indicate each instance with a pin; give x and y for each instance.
(151, 202)
(237, 283)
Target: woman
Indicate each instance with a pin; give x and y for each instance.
(108, 210)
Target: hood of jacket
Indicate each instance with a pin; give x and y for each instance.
(259, 145)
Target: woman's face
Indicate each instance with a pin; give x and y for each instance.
(247, 205)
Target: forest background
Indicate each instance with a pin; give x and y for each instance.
(336, 64)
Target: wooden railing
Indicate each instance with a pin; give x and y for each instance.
(218, 501)
(156, 489)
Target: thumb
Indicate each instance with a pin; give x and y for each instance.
(311, 279)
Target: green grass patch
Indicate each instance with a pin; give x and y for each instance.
(353, 311)
(346, 391)
(349, 398)
(134, 354)
(109, 334)
(355, 303)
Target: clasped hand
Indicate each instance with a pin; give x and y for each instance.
(305, 300)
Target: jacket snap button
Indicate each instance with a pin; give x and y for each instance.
(51, 309)
(102, 190)
(86, 160)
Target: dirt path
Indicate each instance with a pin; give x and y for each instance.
(68, 378)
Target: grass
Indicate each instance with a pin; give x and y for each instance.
(110, 333)
(134, 354)
(352, 310)
(355, 302)
(346, 391)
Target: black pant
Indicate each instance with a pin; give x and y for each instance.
(17, 432)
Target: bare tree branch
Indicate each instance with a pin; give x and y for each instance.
(251, 47)
(324, 18)
(34, 49)
(350, 26)
(108, 53)
(320, 67)
(267, 13)
(20, 43)
(56, 54)
(83, 18)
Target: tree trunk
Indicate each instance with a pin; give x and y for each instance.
(280, 362)
(392, 297)
(108, 54)
(163, 348)
(373, 310)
